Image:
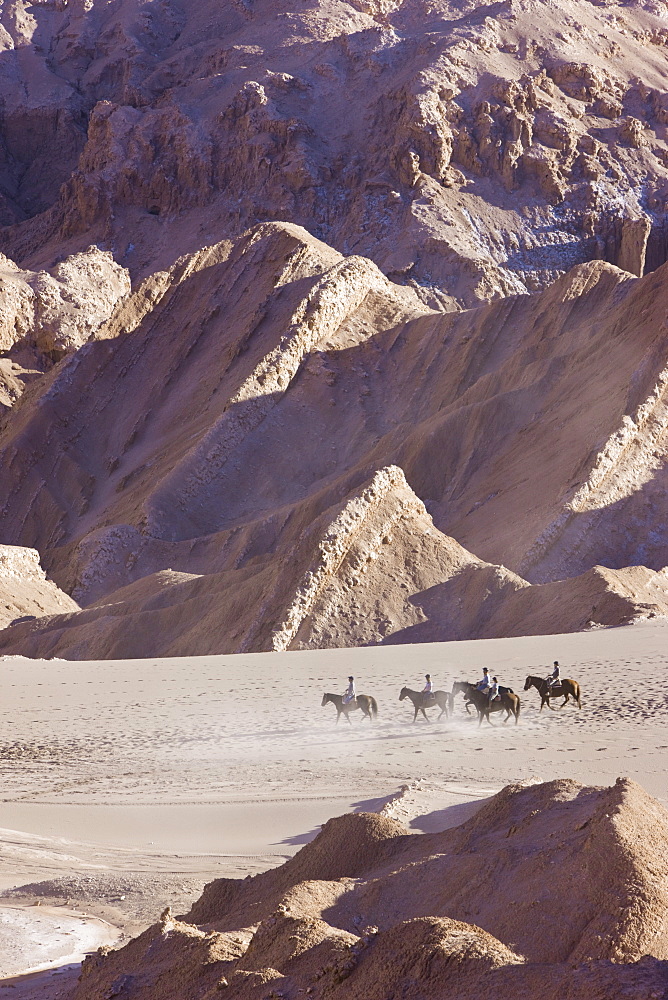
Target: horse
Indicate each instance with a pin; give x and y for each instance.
(457, 687)
(508, 700)
(365, 702)
(464, 687)
(566, 686)
(440, 700)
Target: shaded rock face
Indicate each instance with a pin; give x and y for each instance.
(222, 468)
(368, 910)
(489, 150)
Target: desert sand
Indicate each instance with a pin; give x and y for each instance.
(127, 786)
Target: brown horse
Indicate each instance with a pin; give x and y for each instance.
(507, 701)
(363, 701)
(440, 700)
(566, 686)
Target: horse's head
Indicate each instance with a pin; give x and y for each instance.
(528, 682)
(459, 686)
(404, 693)
(325, 699)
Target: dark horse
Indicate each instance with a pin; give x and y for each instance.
(507, 701)
(464, 686)
(439, 699)
(363, 701)
(566, 686)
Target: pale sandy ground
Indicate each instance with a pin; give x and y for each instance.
(132, 783)
(44, 936)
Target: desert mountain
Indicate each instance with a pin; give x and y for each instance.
(231, 421)
(256, 257)
(472, 150)
(379, 572)
(368, 910)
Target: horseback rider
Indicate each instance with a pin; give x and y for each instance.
(350, 692)
(428, 690)
(554, 679)
(484, 682)
(494, 690)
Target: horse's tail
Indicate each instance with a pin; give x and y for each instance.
(373, 706)
(519, 705)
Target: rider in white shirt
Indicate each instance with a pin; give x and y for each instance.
(350, 692)
(428, 689)
(493, 689)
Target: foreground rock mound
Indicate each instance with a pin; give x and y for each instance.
(552, 890)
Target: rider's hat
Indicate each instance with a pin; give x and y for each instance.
(495, 680)
(556, 663)
(485, 670)
(427, 676)
(351, 678)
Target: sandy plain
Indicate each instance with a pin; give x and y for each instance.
(127, 785)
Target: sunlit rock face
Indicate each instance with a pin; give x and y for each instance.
(472, 152)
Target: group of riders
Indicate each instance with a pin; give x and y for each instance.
(487, 685)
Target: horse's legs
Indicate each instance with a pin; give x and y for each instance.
(425, 715)
(338, 716)
(415, 716)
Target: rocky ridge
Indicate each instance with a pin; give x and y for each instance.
(369, 910)
(199, 394)
(277, 495)
(490, 150)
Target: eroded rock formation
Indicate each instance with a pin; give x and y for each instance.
(368, 910)
(277, 494)
(489, 149)
(25, 591)
(213, 427)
